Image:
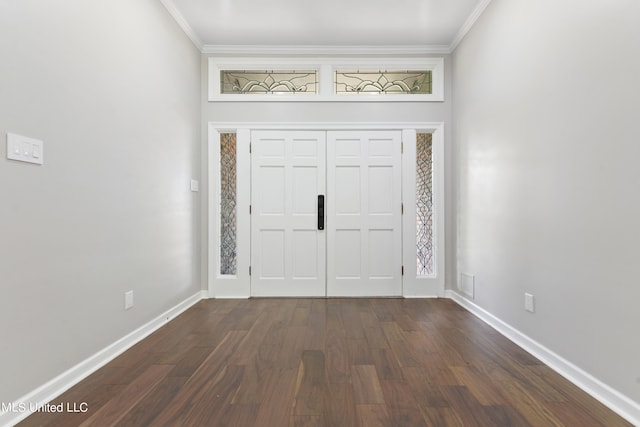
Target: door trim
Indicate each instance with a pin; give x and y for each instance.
(239, 286)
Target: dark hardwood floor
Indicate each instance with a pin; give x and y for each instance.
(327, 362)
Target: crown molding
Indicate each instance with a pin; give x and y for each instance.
(322, 50)
(173, 10)
(309, 50)
(468, 24)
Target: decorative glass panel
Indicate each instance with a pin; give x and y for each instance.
(228, 203)
(424, 204)
(265, 81)
(377, 82)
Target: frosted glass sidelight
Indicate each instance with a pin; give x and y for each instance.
(424, 204)
(228, 229)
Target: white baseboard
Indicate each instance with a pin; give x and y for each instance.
(616, 401)
(231, 297)
(74, 375)
(421, 296)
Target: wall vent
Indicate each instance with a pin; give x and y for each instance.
(468, 285)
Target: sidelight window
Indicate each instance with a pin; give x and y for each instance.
(228, 202)
(424, 204)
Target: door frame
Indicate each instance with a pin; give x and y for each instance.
(238, 286)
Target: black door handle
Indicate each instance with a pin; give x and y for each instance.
(320, 212)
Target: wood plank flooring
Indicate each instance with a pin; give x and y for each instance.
(327, 362)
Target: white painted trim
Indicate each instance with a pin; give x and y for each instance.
(241, 288)
(182, 22)
(243, 218)
(420, 296)
(326, 68)
(616, 401)
(213, 208)
(302, 50)
(233, 126)
(468, 24)
(74, 375)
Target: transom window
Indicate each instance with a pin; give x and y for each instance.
(319, 79)
(242, 82)
(383, 82)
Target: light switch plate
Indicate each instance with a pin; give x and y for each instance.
(195, 185)
(25, 149)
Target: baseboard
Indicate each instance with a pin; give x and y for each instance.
(66, 380)
(231, 297)
(420, 296)
(613, 399)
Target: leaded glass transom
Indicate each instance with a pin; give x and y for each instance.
(268, 81)
(384, 82)
(424, 204)
(228, 254)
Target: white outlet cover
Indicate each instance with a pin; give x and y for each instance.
(529, 303)
(128, 300)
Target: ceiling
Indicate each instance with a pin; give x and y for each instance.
(430, 25)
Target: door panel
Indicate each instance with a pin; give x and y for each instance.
(272, 254)
(288, 172)
(359, 254)
(346, 197)
(349, 242)
(364, 223)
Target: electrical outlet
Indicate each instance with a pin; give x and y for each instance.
(529, 303)
(128, 300)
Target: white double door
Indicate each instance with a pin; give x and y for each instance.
(348, 245)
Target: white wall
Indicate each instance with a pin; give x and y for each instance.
(336, 112)
(547, 135)
(113, 90)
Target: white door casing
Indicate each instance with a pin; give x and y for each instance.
(239, 285)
